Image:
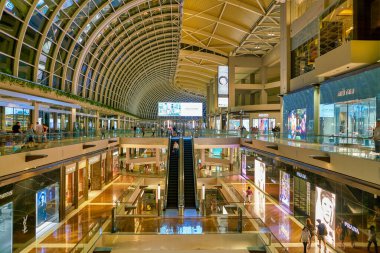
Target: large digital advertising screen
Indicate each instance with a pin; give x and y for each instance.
(284, 188)
(325, 211)
(243, 164)
(222, 80)
(170, 109)
(297, 124)
(260, 175)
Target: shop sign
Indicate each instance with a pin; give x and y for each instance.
(351, 227)
(263, 115)
(70, 168)
(301, 175)
(94, 159)
(6, 194)
(345, 92)
(25, 224)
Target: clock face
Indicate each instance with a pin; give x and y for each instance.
(223, 80)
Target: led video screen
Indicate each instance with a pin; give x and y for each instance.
(297, 124)
(170, 109)
(284, 188)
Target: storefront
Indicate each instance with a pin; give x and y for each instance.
(307, 194)
(27, 209)
(298, 113)
(81, 181)
(264, 123)
(21, 113)
(70, 186)
(95, 173)
(348, 106)
(115, 163)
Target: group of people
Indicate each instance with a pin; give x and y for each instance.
(37, 133)
(321, 231)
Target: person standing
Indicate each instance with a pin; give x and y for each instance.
(372, 238)
(143, 131)
(175, 147)
(341, 231)
(153, 131)
(376, 137)
(311, 228)
(16, 129)
(249, 194)
(305, 237)
(321, 233)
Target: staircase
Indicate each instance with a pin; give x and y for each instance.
(172, 195)
(189, 191)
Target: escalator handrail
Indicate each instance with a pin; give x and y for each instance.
(181, 174)
(195, 176)
(167, 172)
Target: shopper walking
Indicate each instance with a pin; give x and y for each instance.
(249, 194)
(312, 231)
(321, 233)
(372, 238)
(305, 238)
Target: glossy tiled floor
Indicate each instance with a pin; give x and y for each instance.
(285, 228)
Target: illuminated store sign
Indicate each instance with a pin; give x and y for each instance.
(351, 227)
(171, 109)
(301, 175)
(6, 194)
(345, 92)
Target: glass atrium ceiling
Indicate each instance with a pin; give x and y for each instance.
(131, 54)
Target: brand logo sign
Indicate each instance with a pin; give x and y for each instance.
(345, 92)
(6, 194)
(24, 224)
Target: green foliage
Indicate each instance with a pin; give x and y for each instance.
(60, 93)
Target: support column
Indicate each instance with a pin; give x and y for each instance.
(316, 111)
(231, 84)
(72, 119)
(231, 158)
(157, 159)
(264, 80)
(35, 113)
(285, 64)
(203, 156)
(97, 122)
(55, 121)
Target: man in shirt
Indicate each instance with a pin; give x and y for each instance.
(16, 129)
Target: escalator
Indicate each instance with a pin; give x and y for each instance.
(189, 176)
(172, 183)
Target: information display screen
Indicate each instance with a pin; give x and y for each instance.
(325, 211)
(170, 109)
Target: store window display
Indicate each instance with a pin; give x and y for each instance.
(6, 227)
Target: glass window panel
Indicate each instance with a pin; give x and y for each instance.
(25, 71)
(99, 2)
(44, 62)
(46, 7)
(62, 54)
(89, 8)
(106, 10)
(6, 64)
(77, 49)
(27, 54)
(97, 19)
(10, 24)
(58, 68)
(68, 86)
(57, 82)
(54, 33)
(69, 75)
(73, 61)
(87, 28)
(31, 37)
(66, 43)
(37, 21)
(73, 30)
(43, 77)
(69, 7)
(116, 3)
(48, 47)
(61, 19)
(18, 8)
(80, 19)
(7, 44)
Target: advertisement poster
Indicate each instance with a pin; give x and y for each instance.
(325, 211)
(170, 109)
(260, 175)
(259, 204)
(244, 164)
(47, 202)
(284, 188)
(222, 102)
(297, 124)
(222, 80)
(41, 207)
(6, 228)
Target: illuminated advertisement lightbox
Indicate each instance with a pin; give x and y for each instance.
(170, 109)
(223, 84)
(325, 211)
(222, 102)
(243, 164)
(284, 188)
(260, 175)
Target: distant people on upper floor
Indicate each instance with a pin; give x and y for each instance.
(16, 129)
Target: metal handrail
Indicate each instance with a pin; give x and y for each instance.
(167, 173)
(181, 175)
(195, 176)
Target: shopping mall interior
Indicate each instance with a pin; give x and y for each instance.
(189, 126)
